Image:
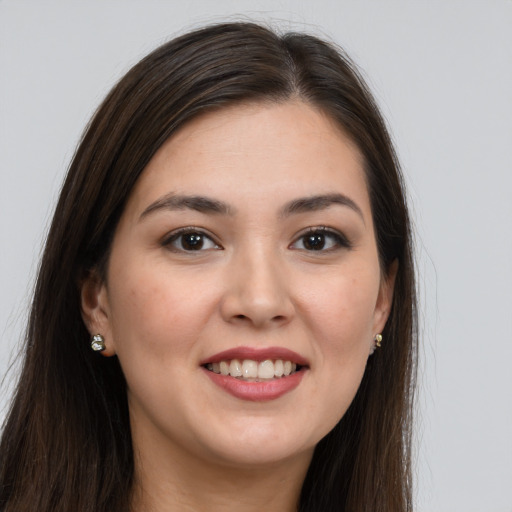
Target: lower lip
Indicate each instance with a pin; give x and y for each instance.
(257, 391)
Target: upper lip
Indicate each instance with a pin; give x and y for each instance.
(257, 354)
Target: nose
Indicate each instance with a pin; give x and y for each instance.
(257, 291)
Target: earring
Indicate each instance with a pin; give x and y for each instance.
(98, 343)
(376, 343)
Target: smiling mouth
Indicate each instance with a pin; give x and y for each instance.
(254, 371)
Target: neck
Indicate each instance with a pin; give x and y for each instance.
(170, 480)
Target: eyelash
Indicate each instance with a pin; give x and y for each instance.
(339, 240)
(179, 233)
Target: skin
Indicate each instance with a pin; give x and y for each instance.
(163, 309)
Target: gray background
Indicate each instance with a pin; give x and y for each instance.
(442, 73)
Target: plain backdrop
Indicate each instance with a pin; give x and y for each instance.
(442, 73)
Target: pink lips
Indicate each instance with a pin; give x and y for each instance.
(257, 391)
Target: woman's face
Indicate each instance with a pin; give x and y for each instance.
(246, 247)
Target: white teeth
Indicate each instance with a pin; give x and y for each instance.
(252, 370)
(235, 368)
(266, 370)
(278, 368)
(249, 369)
(224, 368)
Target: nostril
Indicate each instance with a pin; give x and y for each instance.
(245, 317)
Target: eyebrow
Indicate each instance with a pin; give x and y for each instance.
(181, 202)
(317, 203)
(208, 205)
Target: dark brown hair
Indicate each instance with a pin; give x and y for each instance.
(66, 443)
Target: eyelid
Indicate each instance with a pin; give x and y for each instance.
(169, 238)
(340, 237)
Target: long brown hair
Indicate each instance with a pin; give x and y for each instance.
(66, 442)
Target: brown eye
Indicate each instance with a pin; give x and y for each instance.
(190, 241)
(320, 239)
(314, 242)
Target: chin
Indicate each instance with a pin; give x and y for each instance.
(258, 442)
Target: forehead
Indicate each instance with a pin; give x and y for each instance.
(251, 151)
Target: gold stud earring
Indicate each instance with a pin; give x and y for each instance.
(376, 343)
(98, 343)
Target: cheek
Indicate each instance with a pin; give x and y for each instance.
(341, 311)
(160, 312)
(341, 317)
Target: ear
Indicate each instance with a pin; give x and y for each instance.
(385, 298)
(95, 309)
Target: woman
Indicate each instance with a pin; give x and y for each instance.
(231, 249)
